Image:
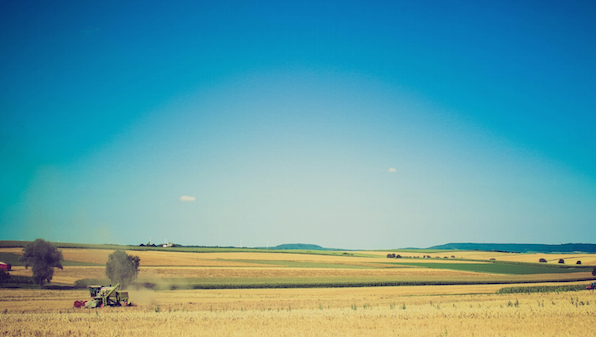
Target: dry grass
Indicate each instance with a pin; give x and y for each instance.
(393, 311)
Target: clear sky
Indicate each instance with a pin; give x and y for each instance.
(348, 124)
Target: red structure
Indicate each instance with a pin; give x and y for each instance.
(5, 266)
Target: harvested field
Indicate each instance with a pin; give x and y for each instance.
(231, 259)
(296, 272)
(198, 275)
(462, 310)
(397, 311)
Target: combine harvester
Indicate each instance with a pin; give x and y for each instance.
(104, 296)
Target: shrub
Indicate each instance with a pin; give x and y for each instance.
(543, 260)
(4, 276)
(578, 262)
(561, 261)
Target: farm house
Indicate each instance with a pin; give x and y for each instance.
(5, 266)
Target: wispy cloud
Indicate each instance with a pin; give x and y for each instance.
(187, 198)
(392, 170)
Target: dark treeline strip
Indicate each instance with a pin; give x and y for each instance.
(541, 289)
(522, 247)
(15, 279)
(283, 285)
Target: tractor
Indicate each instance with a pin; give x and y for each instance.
(591, 286)
(104, 296)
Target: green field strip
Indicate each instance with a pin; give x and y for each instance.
(306, 264)
(13, 259)
(497, 268)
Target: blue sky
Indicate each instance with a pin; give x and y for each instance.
(344, 124)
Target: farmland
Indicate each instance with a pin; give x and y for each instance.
(306, 312)
(335, 293)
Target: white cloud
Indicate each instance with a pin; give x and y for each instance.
(392, 170)
(187, 198)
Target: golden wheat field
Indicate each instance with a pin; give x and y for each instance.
(229, 259)
(450, 310)
(388, 311)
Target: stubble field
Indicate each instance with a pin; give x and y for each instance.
(396, 311)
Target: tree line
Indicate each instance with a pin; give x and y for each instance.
(43, 257)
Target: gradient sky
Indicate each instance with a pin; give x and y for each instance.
(346, 124)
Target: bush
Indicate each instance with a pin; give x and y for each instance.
(561, 261)
(4, 277)
(541, 289)
(543, 260)
(43, 257)
(122, 268)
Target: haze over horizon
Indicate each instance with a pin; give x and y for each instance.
(343, 124)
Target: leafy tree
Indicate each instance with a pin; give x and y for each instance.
(122, 268)
(43, 257)
(594, 271)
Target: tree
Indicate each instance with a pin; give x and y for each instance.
(122, 268)
(594, 271)
(43, 257)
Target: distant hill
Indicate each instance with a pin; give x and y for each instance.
(303, 246)
(522, 247)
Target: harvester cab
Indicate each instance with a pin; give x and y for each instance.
(104, 296)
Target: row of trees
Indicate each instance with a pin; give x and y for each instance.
(43, 257)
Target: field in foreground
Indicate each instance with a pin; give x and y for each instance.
(396, 311)
(456, 310)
